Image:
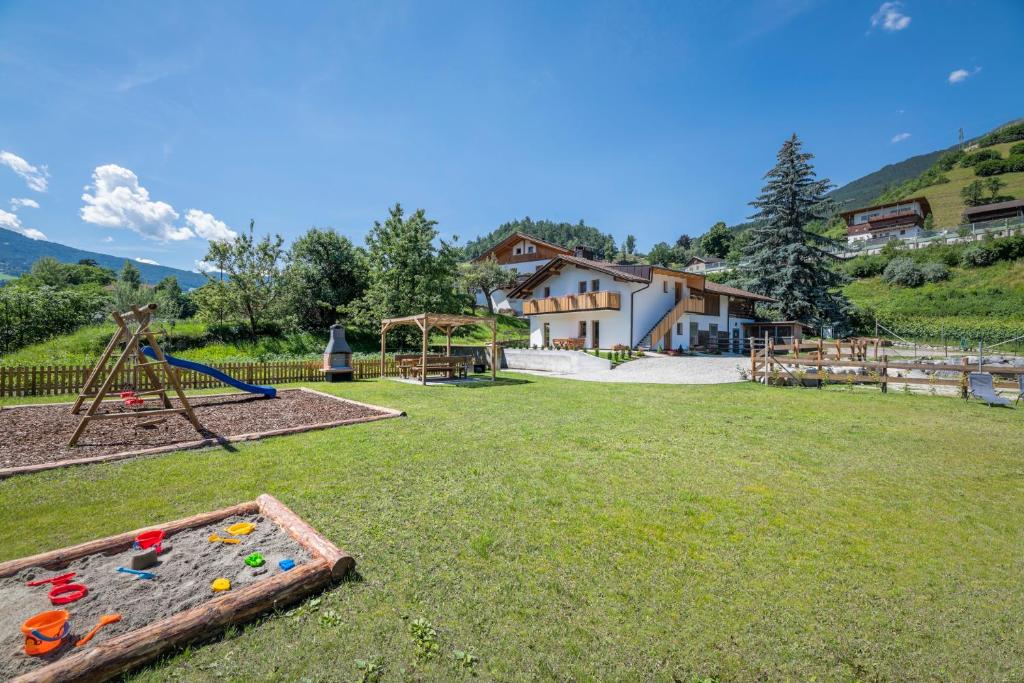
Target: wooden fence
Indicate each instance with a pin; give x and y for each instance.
(55, 380)
(767, 367)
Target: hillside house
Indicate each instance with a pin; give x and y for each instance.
(523, 254)
(1011, 211)
(595, 304)
(706, 264)
(893, 220)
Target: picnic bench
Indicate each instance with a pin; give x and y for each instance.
(410, 365)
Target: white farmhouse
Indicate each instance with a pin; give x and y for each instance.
(523, 254)
(573, 300)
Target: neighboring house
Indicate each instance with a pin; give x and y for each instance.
(903, 219)
(703, 264)
(523, 254)
(606, 304)
(1010, 210)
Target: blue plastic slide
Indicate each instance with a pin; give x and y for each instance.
(269, 392)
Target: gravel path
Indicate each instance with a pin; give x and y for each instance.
(658, 369)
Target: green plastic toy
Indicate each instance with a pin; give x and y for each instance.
(255, 560)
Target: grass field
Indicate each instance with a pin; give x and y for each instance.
(946, 202)
(556, 530)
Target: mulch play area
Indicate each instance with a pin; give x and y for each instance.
(178, 597)
(35, 437)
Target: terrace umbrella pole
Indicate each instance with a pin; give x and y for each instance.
(426, 334)
(494, 350)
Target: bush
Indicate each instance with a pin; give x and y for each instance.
(977, 255)
(30, 315)
(991, 167)
(1004, 134)
(935, 271)
(980, 156)
(1017, 149)
(1015, 162)
(948, 160)
(866, 266)
(904, 272)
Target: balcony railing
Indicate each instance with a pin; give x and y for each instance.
(591, 301)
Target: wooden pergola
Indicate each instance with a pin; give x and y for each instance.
(441, 321)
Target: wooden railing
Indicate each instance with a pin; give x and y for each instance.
(690, 304)
(591, 301)
(56, 380)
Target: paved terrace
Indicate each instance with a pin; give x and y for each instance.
(659, 369)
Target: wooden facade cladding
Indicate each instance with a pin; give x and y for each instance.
(690, 304)
(712, 304)
(541, 254)
(741, 308)
(591, 301)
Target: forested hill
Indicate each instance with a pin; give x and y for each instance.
(865, 190)
(18, 253)
(563, 234)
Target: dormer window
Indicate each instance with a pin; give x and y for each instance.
(519, 250)
(529, 249)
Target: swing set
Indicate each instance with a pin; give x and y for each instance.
(132, 328)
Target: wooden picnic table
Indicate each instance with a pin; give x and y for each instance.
(449, 366)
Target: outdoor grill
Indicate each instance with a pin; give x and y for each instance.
(338, 356)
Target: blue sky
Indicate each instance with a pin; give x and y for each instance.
(182, 121)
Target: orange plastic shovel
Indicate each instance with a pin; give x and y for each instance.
(104, 620)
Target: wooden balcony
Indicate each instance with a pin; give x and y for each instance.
(693, 304)
(591, 301)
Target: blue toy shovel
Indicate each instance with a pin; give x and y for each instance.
(140, 574)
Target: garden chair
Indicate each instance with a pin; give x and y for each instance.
(981, 387)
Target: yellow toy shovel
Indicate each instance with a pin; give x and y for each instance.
(214, 538)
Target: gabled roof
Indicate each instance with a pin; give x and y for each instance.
(517, 236)
(716, 288)
(997, 206)
(555, 264)
(706, 259)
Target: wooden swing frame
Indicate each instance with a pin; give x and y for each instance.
(142, 316)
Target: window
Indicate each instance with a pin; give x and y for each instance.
(529, 249)
(582, 333)
(547, 292)
(694, 332)
(679, 329)
(664, 286)
(595, 285)
(583, 286)
(519, 250)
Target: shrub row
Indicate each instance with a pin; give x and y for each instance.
(1011, 164)
(28, 315)
(1004, 134)
(971, 255)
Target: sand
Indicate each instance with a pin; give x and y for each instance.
(184, 575)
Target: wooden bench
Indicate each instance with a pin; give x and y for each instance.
(410, 365)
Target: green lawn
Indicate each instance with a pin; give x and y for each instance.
(560, 530)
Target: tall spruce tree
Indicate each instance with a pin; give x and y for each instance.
(783, 259)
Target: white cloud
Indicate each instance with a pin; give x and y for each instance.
(118, 201)
(900, 137)
(961, 75)
(12, 222)
(34, 177)
(108, 239)
(33, 234)
(205, 267)
(208, 227)
(890, 17)
(23, 202)
(147, 260)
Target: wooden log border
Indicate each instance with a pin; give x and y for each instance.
(107, 659)
(386, 413)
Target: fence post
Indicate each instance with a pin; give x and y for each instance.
(963, 378)
(885, 374)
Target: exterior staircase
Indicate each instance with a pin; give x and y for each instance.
(690, 304)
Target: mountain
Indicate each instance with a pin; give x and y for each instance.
(18, 253)
(865, 190)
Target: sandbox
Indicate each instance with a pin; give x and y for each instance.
(176, 606)
(34, 437)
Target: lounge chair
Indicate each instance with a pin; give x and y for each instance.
(980, 386)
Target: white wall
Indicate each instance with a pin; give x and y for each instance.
(614, 325)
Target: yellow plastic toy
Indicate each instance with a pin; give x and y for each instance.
(219, 585)
(241, 529)
(214, 538)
